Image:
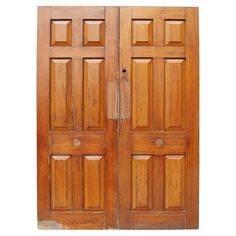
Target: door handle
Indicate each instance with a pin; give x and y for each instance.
(76, 142)
(159, 142)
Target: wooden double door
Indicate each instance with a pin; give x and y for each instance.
(117, 117)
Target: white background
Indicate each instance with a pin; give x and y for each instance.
(18, 32)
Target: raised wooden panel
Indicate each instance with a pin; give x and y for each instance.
(94, 32)
(175, 94)
(61, 183)
(174, 32)
(61, 32)
(93, 183)
(142, 32)
(142, 182)
(93, 94)
(60, 95)
(174, 182)
(142, 75)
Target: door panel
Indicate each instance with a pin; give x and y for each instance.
(141, 182)
(93, 94)
(93, 183)
(142, 94)
(175, 94)
(158, 140)
(61, 183)
(174, 182)
(117, 129)
(77, 59)
(60, 94)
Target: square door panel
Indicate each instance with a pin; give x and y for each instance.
(174, 32)
(61, 31)
(94, 32)
(142, 32)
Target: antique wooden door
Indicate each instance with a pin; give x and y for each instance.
(158, 141)
(117, 117)
(77, 124)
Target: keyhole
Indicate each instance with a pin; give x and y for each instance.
(124, 71)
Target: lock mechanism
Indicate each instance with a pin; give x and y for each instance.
(124, 71)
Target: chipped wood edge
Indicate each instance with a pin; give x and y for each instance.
(49, 224)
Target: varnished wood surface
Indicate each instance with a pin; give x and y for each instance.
(77, 147)
(158, 145)
(118, 117)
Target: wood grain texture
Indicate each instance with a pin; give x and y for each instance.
(77, 93)
(93, 183)
(141, 182)
(90, 143)
(158, 220)
(142, 32)
(174, 182)
(175, 33)
(158, 94)
(112, 112)
(77, 52)
(60, 94)
(158, 12)
(124, 148)
(150, 51)
(115, 149)
(158, 182)
(168, 135)
(142, 110)
(111, 137)
(70, 90)
(94, 32)
(144, 142)
(94, 94)
(192, 118)
(175, 94)
(61, 32)
(43, 114)
(61, 183)
(77, 183)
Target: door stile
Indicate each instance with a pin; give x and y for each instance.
(43, 195)
(111, 133)
(124, 165)
(192, 118)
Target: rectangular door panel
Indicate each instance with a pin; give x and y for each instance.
(141, 182)
(60, 94)
(93, 94)
(174, 94)
(142, 94)
(93, 183)
(61, 183)
(174, 182)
